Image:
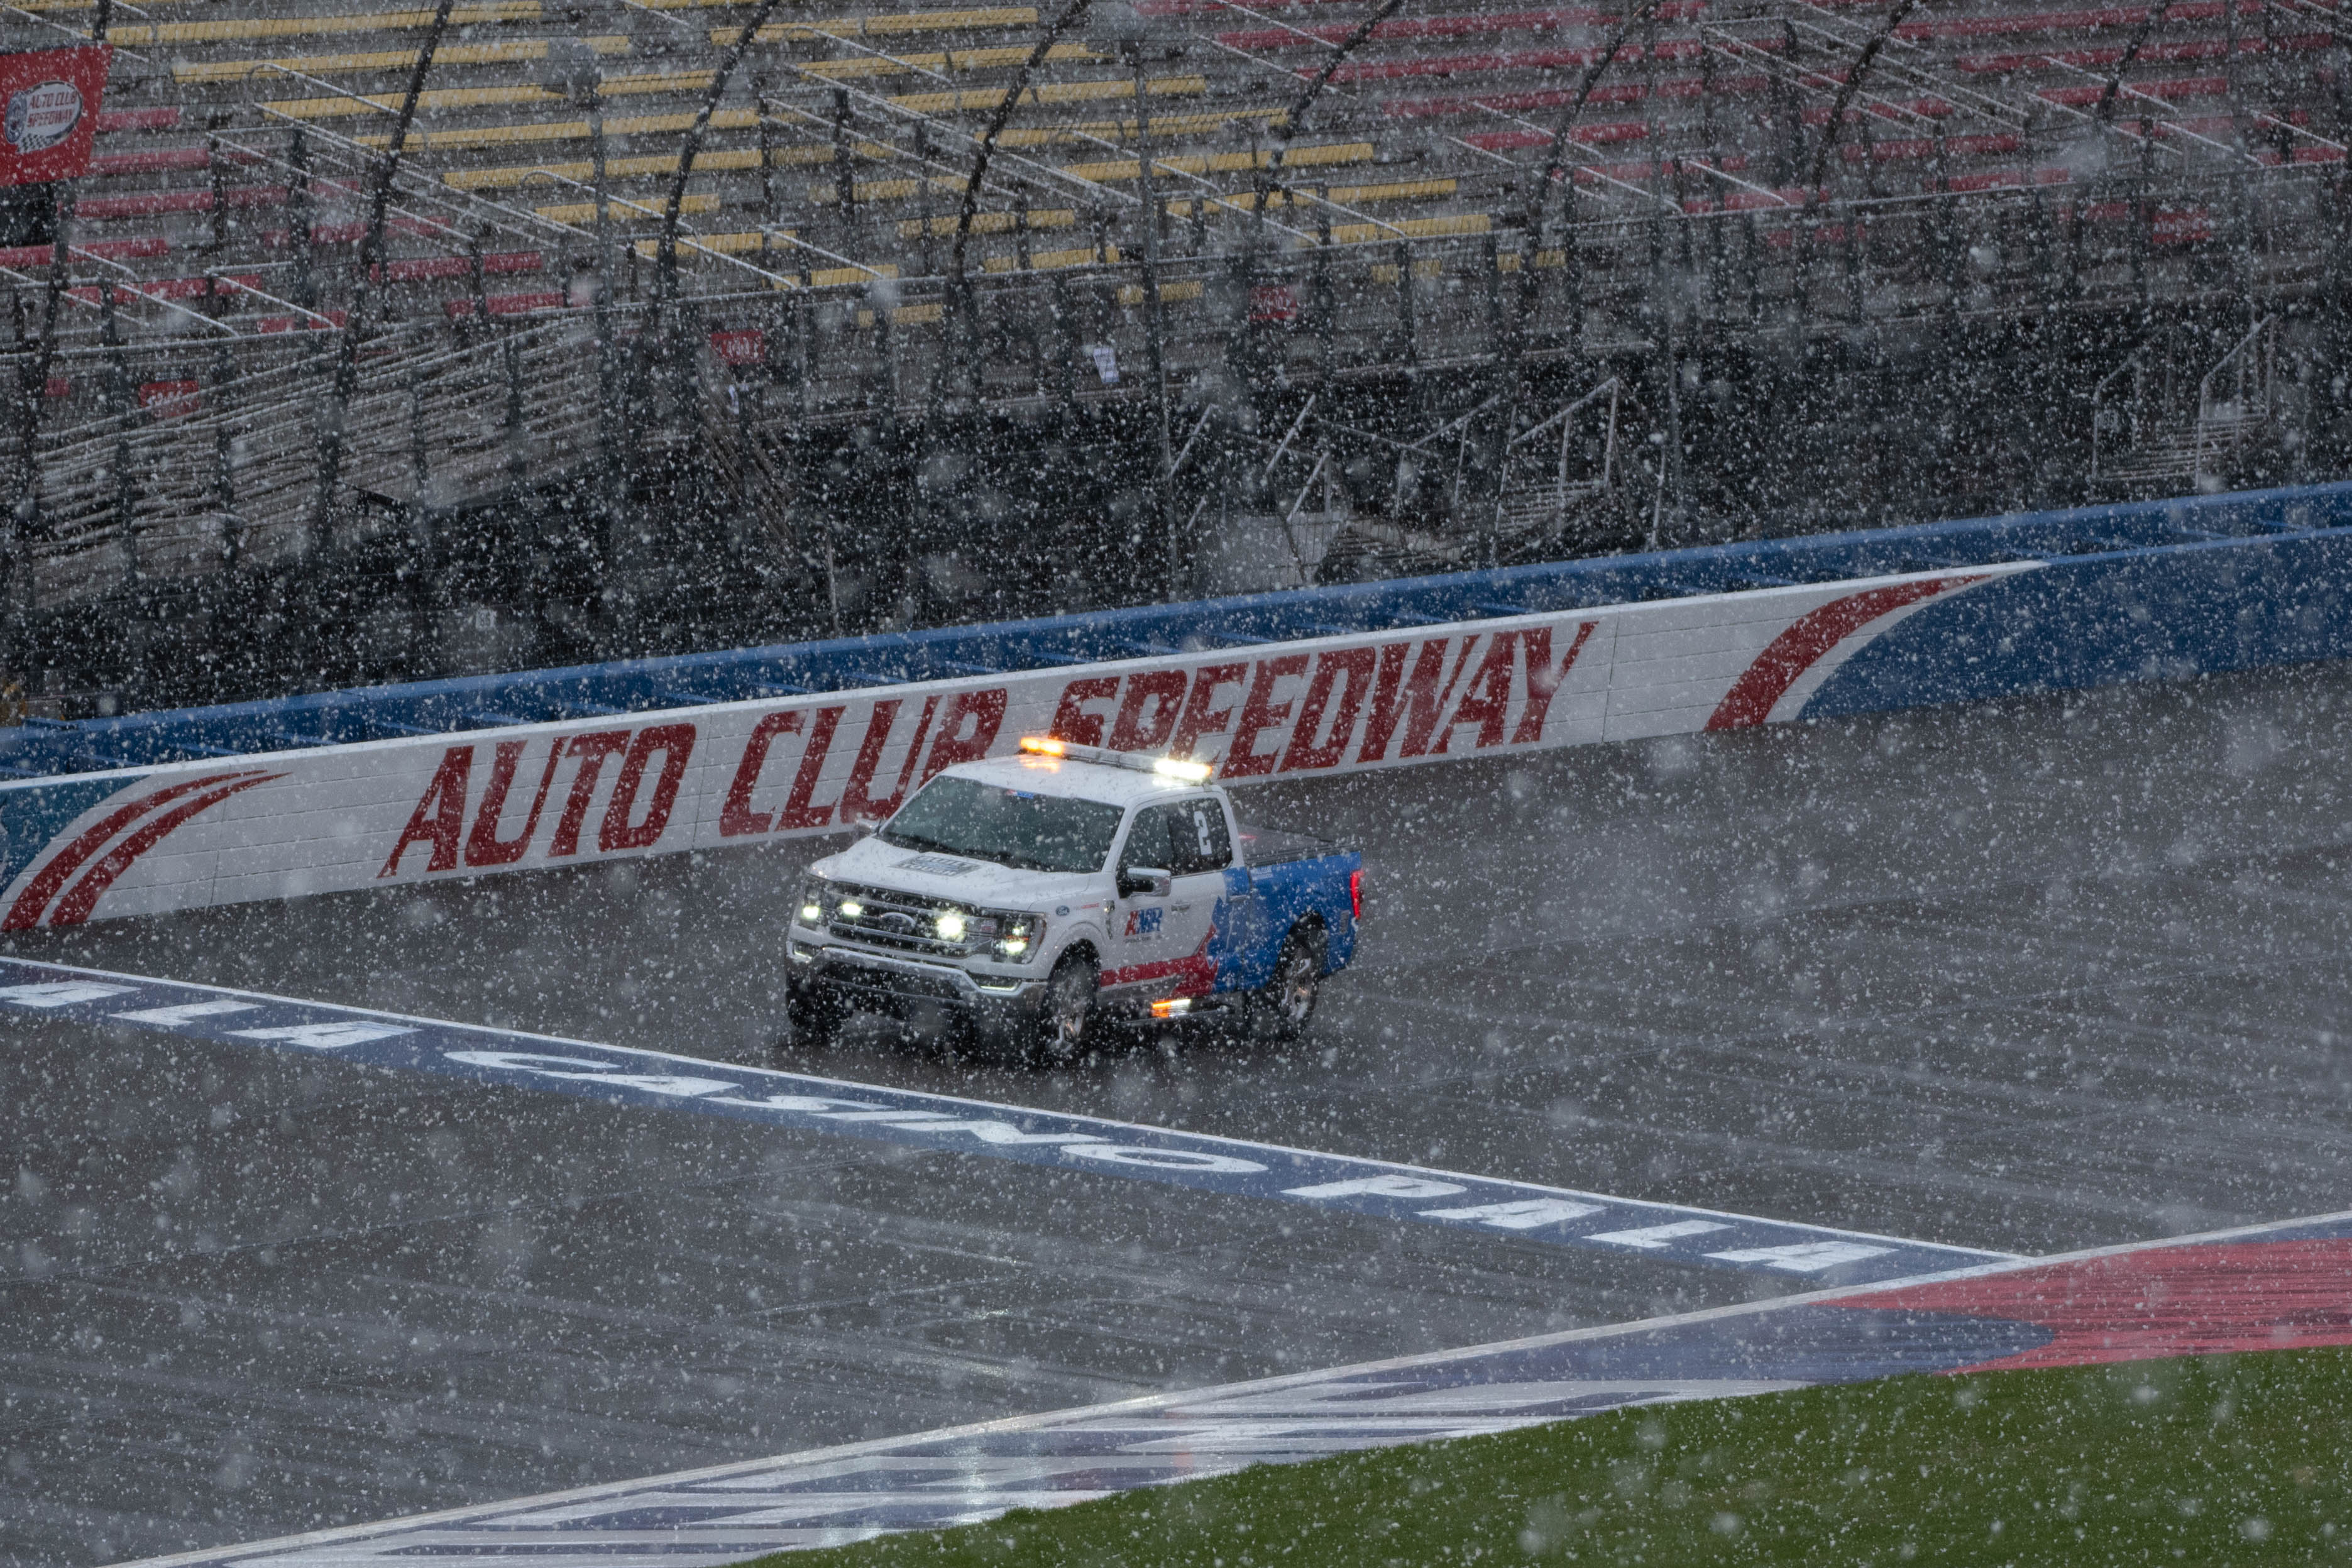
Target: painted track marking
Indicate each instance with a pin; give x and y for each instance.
(1591, 1222)
(703, 1518)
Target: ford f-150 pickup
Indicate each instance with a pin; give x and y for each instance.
(1030, 898)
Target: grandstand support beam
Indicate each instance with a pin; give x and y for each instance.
(16, 605)
(28, 503)
(1525, 297)
(665, 249)
(985, 149)
(1854, 77)
(118, 403)
(2103, 116)
(298, 213)
(333, 443)
(1155, 345)
(612, 435)
(1322, 77)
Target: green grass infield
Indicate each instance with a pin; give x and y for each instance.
(2200, 1460)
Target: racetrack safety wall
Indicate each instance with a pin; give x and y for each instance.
(192, 836)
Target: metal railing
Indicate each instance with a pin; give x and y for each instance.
(2235, 401)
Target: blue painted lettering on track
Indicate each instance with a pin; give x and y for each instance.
(946, 1123)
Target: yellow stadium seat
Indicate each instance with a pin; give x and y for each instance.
(229, 28)
(1323, 155)
(1412, 228)
(992, 223)
(383, 60)
(951, 59)
(1170, 293)
(728, 243)
(1338, 196)
(567, 129)
(1048, 260)
(1052, 92)
(577, 213)
(437, 99)
(870, 27)
(582, 170)
(1130, 169)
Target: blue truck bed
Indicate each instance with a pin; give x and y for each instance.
(1288, 876)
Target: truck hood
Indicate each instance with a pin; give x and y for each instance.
(979, 882)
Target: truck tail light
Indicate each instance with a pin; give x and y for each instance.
(1356, 893)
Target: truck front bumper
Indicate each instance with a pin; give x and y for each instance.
(910, 988)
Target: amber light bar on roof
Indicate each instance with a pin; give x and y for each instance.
(1166, 767)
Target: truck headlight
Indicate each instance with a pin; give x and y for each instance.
(814, 902)
(1018, 937)
(950, 927)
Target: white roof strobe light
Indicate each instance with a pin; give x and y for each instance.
(1174, 767)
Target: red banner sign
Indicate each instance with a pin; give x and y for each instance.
(49, 113)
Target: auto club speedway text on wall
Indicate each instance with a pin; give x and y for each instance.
(334, 818)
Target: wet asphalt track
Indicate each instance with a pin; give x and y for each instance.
(2032, 977)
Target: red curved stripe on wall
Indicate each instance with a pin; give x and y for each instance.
(26, 914)
(1798, 649)
(75, 906)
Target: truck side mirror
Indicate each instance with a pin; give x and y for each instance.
(1139, 880)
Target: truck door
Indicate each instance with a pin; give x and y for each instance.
(1163, 945)
(1201, 849)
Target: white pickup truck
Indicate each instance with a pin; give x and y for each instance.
(1025, 899)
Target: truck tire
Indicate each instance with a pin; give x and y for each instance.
(1280, 1011)
(1067, 1009)
(813, 1021)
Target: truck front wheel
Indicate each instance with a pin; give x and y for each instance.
(1281, 1011)
(1069, 1007)
(814, 1019)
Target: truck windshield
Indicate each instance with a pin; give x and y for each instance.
(1011, 827)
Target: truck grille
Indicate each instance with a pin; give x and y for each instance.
(892, 983)
(899, 921)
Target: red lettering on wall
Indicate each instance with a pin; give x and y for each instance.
(798, 813)
(736, 817)
(1422, 704)
(483, 845)
(1543, 679)
(439, 819)
(591, 750)
(1488, 699)
(1387, 706)
(1199, 718)
(985, 710)
(856, 804)
(675, 744)
(1260, 713)
(1164, 689)
(1356, 665)
(1071, 722)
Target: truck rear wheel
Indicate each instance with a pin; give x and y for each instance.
(1068, 1008)
(1281, 1011)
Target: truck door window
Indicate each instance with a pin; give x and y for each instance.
(1147, 840)
(1197, 837)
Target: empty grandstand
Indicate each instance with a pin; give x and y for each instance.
(373, 342)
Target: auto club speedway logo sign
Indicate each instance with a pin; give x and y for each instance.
(41, 117)
(348, 817)
(48, 113)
